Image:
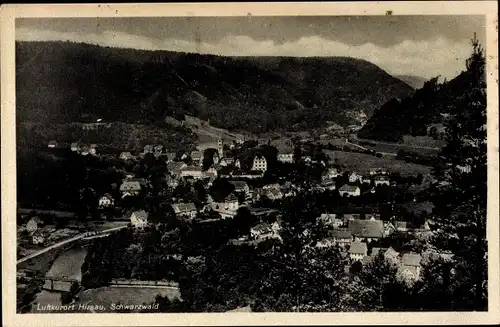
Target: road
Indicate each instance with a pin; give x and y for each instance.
(66, 241)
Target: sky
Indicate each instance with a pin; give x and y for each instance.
(424, 46)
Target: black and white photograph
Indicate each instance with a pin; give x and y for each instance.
(252, 164)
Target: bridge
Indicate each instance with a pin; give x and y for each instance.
(86, 235)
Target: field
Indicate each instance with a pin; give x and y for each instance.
(362, 163)
(69, 264)
(423, 141)
(423, 145)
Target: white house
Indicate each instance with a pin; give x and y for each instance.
(126, 156)
(409, 270)
(158, 149)
(377, 171)
(52, 144)
(366, 180)
(37, 237)
(220, 147)
(357, 250)
(259, 163)
(341, 236)
(381, 180)
(33, 224)
(129, 187)
(355, 177)
(75, 147)
(106, 201)
(331, 173)
(285, 157)
(139, 219)
(349, 190)
(196, 157)
(148, 148)
(93, 149)
(325, 242)
(230, 203)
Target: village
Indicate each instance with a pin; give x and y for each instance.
(258, 177)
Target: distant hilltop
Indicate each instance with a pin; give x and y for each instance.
(58, 81)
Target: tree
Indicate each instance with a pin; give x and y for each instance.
(461, 202)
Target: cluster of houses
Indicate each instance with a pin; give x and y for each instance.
(353, 234)
(39, 232)
(376, 177)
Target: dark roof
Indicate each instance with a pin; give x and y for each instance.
(340, 233)
(349, 188)
(366, 228)
(239, 184)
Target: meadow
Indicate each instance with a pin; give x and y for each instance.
(362, 163)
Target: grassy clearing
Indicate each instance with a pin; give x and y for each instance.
(389, 148)
(362, 163)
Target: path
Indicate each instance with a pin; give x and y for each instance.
(66, 241)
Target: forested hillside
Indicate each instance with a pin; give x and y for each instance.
(413, 115)
(61, 81)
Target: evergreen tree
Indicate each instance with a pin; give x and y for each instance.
(461, 200)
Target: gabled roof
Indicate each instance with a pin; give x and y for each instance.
(183, 207)
(141, 215)
(274, 192)
(391, 253)
(340, 233)
(127, 185)
(192, 168)
(107, 195)
(367, 259)
(239, 185)
(262, 228)
(349, 188)
(37, 220)
(358, 248)
(411, 259)
(175, 166)
(366, 228)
